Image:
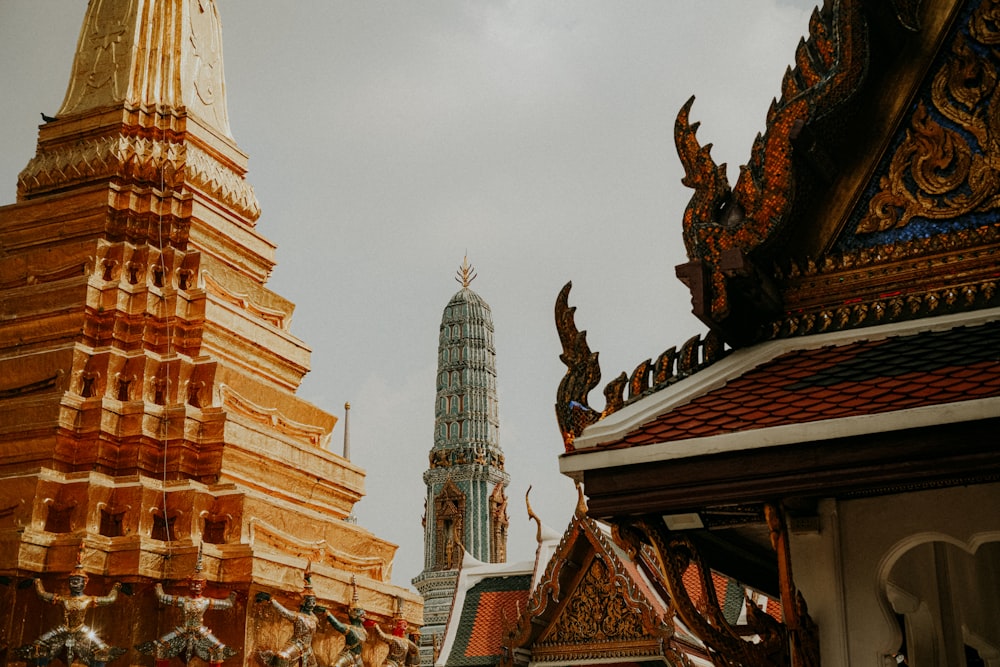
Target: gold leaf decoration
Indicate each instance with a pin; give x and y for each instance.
(937, 173)
(597, 612)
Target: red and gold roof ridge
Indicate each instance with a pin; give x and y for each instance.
(863, 380)
(583, 373)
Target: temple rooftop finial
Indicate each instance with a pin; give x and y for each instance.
(466, 273)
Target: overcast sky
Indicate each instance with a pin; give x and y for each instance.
(387, 139)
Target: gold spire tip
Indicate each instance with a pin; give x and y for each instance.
(466, 273)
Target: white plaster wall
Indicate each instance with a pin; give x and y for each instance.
(817, 571)
(843, 569)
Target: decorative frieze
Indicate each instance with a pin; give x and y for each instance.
(265, 536)
(156, 163)
(311, 435)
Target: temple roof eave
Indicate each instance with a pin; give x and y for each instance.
(618, 424)
(595, 457)
(826, 415)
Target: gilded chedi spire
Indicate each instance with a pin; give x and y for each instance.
(148, 375)
(150, 55)
(146, 106)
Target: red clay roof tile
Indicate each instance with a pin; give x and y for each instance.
(860, 378)
(490, 606)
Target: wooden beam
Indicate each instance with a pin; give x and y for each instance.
(877, 463)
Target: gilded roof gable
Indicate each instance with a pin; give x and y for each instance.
(593, 602)
(867, 200)
(879, 152)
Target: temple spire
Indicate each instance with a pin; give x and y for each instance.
(146, 106)
(466, 501)
(150, 55)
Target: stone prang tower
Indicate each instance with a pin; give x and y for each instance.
(466, 504)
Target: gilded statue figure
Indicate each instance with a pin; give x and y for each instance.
(305, 623)
(354, 633)
(403, 652)
(80, 642)
(190, 638)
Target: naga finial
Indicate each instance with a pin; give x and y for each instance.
(533, 516)
(581, 500)
(466, 273)
(583, 372)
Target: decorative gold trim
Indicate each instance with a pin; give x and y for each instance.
(499, 522)
(936, 173)
(928, 276)
(271, 417)
(242, 301)
(140, 159)
(449, 528)
(213, 177)
(596, 616)
(262, 534)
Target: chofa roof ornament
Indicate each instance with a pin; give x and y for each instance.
(723, 228)
(583, 372)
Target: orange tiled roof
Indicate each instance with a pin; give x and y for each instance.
(730, 594)
(861, 378)
(490, 606)
(496, 609)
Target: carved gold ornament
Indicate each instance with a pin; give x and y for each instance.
(108, 73)
(141, 159)
(597, 612)
(947, 164)
(583, 372)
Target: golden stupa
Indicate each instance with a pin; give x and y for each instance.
(147, 375)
